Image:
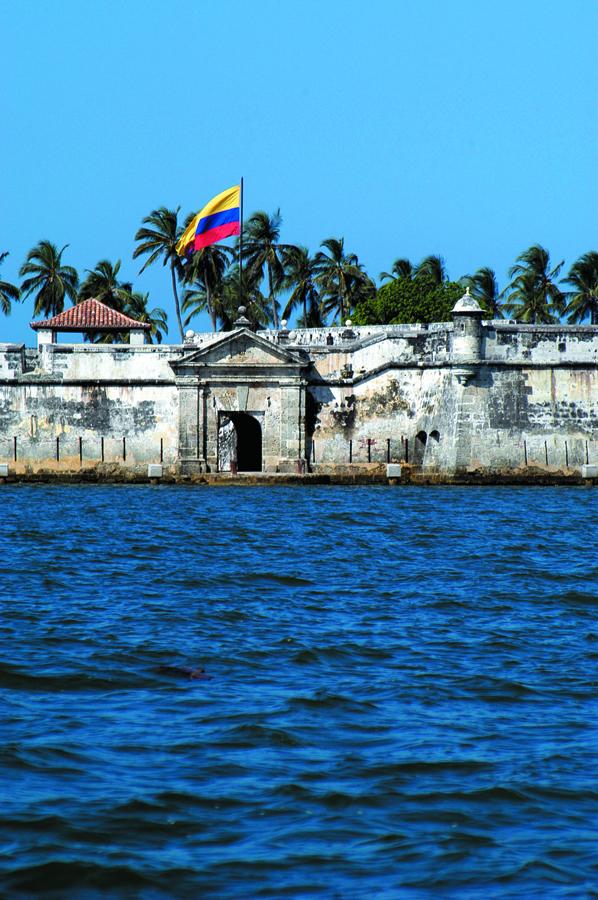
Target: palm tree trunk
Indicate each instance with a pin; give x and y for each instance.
(211, 312)
(272, 300)
(341, 290)
(176, 302)
(206, 280)
(304, 310)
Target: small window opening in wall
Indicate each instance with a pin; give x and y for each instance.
(435, 435)
(419, 449)
(562, 347)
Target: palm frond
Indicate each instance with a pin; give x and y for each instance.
(8, 291)
(533, 296)
(50, 280)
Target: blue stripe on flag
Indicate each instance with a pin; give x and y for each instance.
(216, 219)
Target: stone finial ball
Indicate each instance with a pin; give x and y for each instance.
(190, 333)
(242, 310)
(283, 323)
(348, 323)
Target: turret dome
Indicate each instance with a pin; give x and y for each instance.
(467, 304)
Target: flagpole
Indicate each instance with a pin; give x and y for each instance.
(241, 303)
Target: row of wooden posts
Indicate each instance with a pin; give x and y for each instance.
(58, 449)
(370, 443)
(403, 455)
(525, 453)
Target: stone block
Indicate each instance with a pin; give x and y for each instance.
(3, 470)
(393, 470)
(589, 471)
(154, 470)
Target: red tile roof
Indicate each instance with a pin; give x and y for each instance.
(90, 315)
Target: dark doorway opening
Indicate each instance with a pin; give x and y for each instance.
(241, 450)
(249, 442)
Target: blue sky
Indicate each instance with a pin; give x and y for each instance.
(467, 128)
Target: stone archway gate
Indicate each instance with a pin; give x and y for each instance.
(241, 372)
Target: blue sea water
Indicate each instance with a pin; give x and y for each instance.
(401, 701)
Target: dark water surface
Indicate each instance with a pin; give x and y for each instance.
(402, 703)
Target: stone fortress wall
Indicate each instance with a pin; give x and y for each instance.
(470, 395)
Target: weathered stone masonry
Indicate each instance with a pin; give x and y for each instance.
(470, 395)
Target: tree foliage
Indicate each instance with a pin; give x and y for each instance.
(315, 290)
(137, 308)
(103, 283)
(8, 291)
(225, 304)
(341, 278)
(484, 287)
(401, 268)
(434, 267)
(583, 299)
(204, 276)
(533, 295)
(49, 280)
(265, 255)
(300, 280)
(406, 300)
(157, 239)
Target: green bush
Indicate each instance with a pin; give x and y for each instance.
(409, 300)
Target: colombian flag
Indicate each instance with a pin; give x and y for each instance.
(218, 219)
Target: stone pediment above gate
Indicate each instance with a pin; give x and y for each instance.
(240, 349)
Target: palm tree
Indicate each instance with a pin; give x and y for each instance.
(102, 283)
(8, 291)
(194, 303)
(263, 251)
(248, 294)
(136, 307)
(226, 303)
(583, 299)
(158, 238)
(435, 267)
(300, 279)
(401, 268)
(484, 287)
(533, 295)
(341, 278)
(50, 280)
(207, 269)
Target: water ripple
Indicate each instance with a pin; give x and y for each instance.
(400, 695)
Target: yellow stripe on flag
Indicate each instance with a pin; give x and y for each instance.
(228, 199)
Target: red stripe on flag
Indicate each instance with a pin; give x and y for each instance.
(215, 234)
